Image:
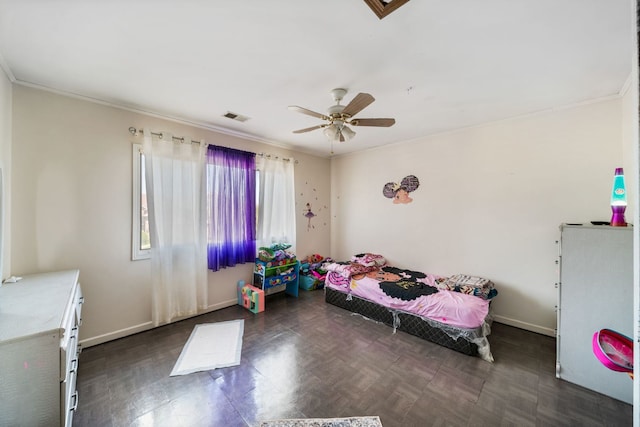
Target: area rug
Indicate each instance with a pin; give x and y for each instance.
(325, 422)
(211, 346)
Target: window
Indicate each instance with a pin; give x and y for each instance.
(231, 207)
(239, 198)
(230, 194)
(276, 201)
(141, 245)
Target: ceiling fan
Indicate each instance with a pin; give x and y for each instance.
(339, 116)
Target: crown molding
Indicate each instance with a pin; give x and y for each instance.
(6, 69)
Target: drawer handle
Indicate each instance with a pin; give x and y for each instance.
(75, 401)
(74, 364)
(81, 300)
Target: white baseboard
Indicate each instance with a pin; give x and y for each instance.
(524, 325)
(100, 339)
(221, 305)
(110, 336)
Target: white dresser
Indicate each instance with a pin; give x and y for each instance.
(39, 326)
(595, 292)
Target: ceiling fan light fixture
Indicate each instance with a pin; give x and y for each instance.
(347, 133)
(335, 128)
(338, 131)
(332, 132)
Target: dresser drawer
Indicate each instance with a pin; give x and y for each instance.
(70, 334)
(78, 301)
(69, 397)
(68, 344)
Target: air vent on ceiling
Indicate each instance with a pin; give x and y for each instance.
(236, 117)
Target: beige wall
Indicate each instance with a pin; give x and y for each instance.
(5, 164)
(490, 201)
(72, 207)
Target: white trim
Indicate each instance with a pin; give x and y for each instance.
(89, 342)
(250, 137)
(221, 305)
(484, 124)
(626, 86)
(136, 252)
(121, 333)
(5, 67)
(524, 325)
(179, 120)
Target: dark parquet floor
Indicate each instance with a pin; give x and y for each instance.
(304, 358)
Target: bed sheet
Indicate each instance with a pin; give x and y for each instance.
(415, 293)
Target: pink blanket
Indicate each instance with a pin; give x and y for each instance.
(448, 307)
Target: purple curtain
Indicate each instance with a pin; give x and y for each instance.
(231, 207)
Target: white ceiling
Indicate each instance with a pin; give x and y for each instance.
(433, 65)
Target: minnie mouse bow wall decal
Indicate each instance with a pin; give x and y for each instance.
(400, 192)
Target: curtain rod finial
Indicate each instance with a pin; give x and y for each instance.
(133, 131)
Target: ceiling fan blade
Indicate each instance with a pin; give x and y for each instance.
(373, 122)
(309, 129)
(307, 112)
(357, 104)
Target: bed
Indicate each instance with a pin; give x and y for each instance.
(450, 311)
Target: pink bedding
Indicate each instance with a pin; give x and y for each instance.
(422, 297)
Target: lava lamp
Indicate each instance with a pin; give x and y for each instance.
(618, 199)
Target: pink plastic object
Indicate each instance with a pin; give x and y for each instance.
(613, 350)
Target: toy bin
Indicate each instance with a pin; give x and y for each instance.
(309, 283)
(272, 279)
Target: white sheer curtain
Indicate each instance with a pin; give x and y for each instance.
(276, 202)
(174, 175)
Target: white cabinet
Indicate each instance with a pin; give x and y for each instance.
(40, 318)
(595, 292)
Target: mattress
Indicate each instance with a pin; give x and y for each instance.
(416, 305)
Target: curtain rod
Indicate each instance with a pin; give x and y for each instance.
(284, 159)
(136, 132)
